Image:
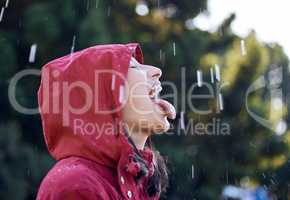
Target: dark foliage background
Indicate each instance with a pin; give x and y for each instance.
(250, 155)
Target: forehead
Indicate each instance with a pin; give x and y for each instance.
(134, 62)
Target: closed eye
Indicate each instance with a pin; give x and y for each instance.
(135, 67)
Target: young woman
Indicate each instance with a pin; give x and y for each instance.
(99, 107)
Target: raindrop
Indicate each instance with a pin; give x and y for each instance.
(217, 72)
(199, 78)
(192, 171)
(220, 102)
(113, 82)
(121, 94)
(243, 48)
(73, 45)
(182, 126)
(174, 50)
(2, 13)
(7, 3)
(160, 55)
(211, 75)
(33, 49)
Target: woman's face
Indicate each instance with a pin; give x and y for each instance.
(143, 110)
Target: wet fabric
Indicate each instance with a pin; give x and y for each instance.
(94, 158)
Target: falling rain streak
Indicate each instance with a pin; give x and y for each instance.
(214, 74)
(32, 53)
(199, 78)
(217, 72)
(73, 45)
(192, 171)
(182, 125)
(174, 50)
(121, 94)
(113, 82)
(2, 13)
(220, 102)
(7, 3)
(243, 48)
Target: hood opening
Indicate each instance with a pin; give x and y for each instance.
(66, 83)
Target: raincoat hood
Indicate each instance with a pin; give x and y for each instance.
(77, 98)
(79, 102)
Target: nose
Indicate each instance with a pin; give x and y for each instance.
(154, 72)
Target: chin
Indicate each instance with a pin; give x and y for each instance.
(160, 126)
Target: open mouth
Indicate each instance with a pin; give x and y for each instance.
(154, 92)
(165, 106)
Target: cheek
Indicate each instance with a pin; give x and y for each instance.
(137, 94)
(139, 110)
(135, 76)
(139, 105)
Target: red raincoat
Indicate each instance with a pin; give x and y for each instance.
(91, 162)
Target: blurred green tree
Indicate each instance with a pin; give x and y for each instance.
(250, 155)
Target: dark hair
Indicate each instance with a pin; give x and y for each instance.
(158, 182)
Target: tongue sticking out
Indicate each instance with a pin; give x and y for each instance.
(167, 107)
